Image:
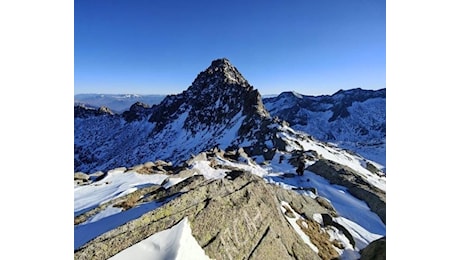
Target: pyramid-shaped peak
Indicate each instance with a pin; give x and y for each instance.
(221, 71)
(221, 62)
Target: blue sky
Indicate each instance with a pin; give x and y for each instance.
(158, 47)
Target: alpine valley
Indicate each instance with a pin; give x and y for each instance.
(210, 173)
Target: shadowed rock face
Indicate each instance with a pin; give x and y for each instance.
(215, 97)
(375, 250)
(137, 111)
(234, 218)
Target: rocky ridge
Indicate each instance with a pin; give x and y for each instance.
(258, 213)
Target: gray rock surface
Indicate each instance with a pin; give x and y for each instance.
(237, 218)
(376, 250)
(343, 175)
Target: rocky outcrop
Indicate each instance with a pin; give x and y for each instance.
(231, 218)
(82, 111)
(356, 185)
(137, 111)
(376, 250)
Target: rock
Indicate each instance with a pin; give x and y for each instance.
(344, 176)
(80, 182)
(119, 169)
(97, 176)
(325, 203)
(162, 163)
(152, 164)
(81, 176)
(200, 157)
(136, 167)
(105, 110)
(328, 221)
(230, 219)
(242, 153)
(376, 250)
(137, 112)
(371, 167)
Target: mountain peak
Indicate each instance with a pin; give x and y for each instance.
(216, 95)
(221, 71)
(221, 62)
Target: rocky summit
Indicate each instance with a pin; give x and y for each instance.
(220, 109)
(209, 170)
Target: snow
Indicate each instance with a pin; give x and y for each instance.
(297, 95)
(249, 167)
(176, 242)
(107, 212)
(349, 252)
(361, 236)
(364, 225)
(207, 171)
(346, 204)
(109, 220)
(230, 134)
(339, 156)
(296, 227)
(115, 185)
(172, 182)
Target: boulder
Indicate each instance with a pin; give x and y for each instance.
(81, 176)
(376, 250)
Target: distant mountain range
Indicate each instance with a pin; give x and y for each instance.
(116, 102)
(354, 119)
(218, 164)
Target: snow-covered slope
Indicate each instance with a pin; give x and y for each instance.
(354, 119)
(220, 109)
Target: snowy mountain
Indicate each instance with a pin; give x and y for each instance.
(116, 102)
(219, 109)
(354, 119)
(211, 167)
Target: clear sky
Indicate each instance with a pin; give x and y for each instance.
(158, 47)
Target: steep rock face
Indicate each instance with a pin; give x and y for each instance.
(215, 97)
(220, 109)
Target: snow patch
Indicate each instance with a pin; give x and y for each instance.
(296, 227)
(176, 242)
(115, 185)
(203, 167)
